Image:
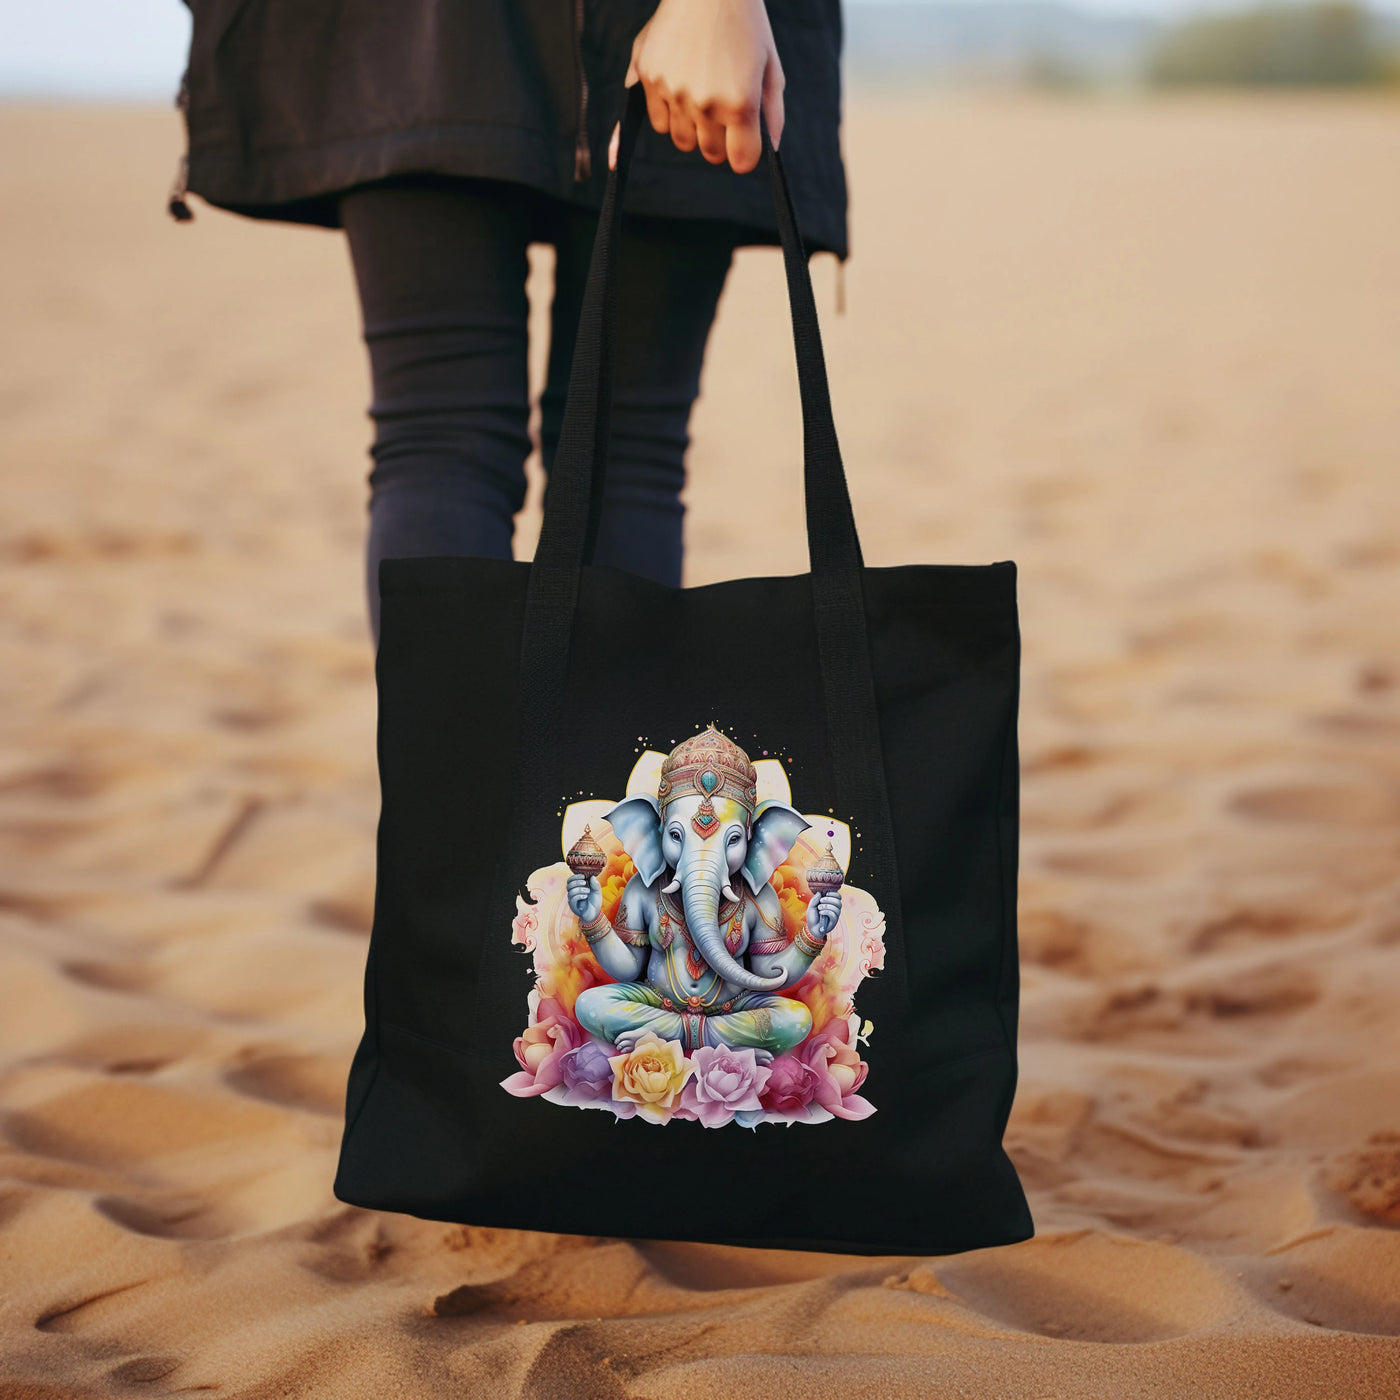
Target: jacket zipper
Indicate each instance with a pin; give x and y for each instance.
(176, 202)
(583, 158)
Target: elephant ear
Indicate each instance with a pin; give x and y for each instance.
(775, 828)
(637, 824)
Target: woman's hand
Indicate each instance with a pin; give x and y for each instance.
(709, 67)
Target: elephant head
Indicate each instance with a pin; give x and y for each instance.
(706, 829)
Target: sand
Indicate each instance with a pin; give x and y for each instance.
(1147, 349)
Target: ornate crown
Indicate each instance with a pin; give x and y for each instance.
(712, 766)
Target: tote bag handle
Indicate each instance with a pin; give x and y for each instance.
(574, 499)
(573, 506)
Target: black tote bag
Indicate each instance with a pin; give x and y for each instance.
(696, 908)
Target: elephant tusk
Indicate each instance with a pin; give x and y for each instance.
(672, 887)
(727, 891)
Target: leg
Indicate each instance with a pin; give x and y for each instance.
(626, 1010)
(672, 274)
(761, 1020)
(440, 266)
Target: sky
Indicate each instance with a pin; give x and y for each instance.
(92, 48)
(136, 48)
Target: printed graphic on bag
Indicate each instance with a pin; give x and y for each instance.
(697, 951)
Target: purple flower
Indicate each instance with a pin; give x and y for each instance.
(726, 1081)
(585, 1073)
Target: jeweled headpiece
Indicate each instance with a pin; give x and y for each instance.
(712, 766)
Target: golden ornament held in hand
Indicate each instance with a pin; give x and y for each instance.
(586, 856)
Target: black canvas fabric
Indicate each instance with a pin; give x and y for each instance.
(509, 690)
(287, 105)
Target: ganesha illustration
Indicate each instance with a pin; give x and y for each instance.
(695, 954)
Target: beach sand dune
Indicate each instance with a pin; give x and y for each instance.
(1147, 349)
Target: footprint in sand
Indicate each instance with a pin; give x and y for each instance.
(124, 1122)
(349, 910)
(1365, 728)
(72, 780)
(580, 1363)
(70, 1317)
(709, 1267)
(142, 1370)
(602, 1280)
(1339, 1278)
(110, 975)
(1046, 1122)
(1370, 1177)
(167, 1218)
(37, 837)
(87, 546)
(1068, 943)
(254, 717)
(1268, 990)
(1118, 862)
(1134, 1008)
(142, 1049)
(292, 1080)
(1251, 925)
(1320, 804)
(1092, 1287)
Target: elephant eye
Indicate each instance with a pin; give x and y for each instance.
(733, 837)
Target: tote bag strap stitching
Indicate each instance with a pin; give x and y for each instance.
(832, 540)
(573, 503)
(574, 494)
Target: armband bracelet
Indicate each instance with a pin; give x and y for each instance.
(772, 945)
(596, 928)
(805, 943)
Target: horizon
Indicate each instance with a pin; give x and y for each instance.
(95, 50)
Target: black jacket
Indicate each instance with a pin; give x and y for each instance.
(289, 102)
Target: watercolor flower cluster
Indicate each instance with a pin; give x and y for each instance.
(714, 1085)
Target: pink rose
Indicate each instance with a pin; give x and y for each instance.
(726, 1081)
(540, 1048)
(792, 1084)
(838, 1069)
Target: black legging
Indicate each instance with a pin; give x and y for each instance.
(441, 267)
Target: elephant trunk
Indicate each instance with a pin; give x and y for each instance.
(701, 875)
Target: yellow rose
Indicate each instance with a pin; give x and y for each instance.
(651, 1075)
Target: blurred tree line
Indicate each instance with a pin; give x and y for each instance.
(1331, 43)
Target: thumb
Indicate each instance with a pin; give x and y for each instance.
(633, 74)
(773, 84)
